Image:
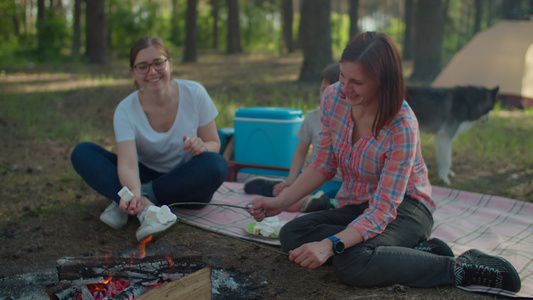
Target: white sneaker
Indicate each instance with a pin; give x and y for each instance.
(113, 216)
(154, 220)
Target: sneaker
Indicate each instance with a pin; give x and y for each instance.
(154, 220)
(477, 268)
(113, 216)
(435, 246)
(259, 185)
(316, 202)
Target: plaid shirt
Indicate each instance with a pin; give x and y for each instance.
(380, 171)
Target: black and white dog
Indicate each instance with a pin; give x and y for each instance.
(447, 112)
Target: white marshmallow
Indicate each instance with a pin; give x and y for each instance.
(269, 226)
(161, 215)
(125, 194)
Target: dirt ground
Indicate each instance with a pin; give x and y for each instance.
(47, 212)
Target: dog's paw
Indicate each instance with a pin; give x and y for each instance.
(444, 176)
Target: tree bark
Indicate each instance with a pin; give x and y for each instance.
(478, 16)
(429, 35)
(408, 34)
(174, 23)
(354, 18)
(76, 29)
(214, 14)
(191, 32)
(287, 12)
(40, 24)
(234, 32)
(96, 32)
(315, 38)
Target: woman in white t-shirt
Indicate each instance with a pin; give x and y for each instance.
(167, 146)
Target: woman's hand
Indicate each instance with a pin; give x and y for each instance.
(263, 207)
(133, 207)
(312, 255)
(194, 145)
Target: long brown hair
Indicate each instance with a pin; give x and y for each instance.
(378, 55)
(143, 43)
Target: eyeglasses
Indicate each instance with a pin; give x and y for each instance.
(143, 68)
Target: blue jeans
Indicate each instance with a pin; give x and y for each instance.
(383, 260)
(194, 181)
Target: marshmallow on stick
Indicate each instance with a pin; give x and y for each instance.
(125, 194)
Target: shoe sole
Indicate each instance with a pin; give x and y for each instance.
(112, 226)
(263, 178)
(155, 234)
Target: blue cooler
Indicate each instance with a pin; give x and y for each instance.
(266, 135)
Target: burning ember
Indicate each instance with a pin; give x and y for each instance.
(105, 290)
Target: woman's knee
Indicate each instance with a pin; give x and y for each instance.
(351, 268)
(80, 152)
(288, 236)
(218, 165)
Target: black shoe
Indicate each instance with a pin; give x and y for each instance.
(259, 185)
(316, 202)
(435, 246)
(477, 268)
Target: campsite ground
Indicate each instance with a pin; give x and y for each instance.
(47, 212)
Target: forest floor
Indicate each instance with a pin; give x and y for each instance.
(47, 212)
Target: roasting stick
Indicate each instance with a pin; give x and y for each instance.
(126, 195)
(202, 203)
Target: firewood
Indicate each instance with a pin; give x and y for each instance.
(196, 286)
(71, 268)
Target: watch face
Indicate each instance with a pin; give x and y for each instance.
(338, 247)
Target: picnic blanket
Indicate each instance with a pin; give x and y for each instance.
(495, 225)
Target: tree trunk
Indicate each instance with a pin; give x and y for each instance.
(429, 35)
(174, 23)
(315, 38)
(40, 24)
(96, 32)
(76, 29)
(234, 32)
(478, 16)
(191, 32)
(287, 12)
(354, 18)
(214, 14)
(408, 34)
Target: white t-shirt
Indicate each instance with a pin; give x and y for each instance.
(162, 151)
(309, 132)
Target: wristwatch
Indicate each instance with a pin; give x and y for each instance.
(338, 244)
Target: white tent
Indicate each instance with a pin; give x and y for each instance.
(501, 55)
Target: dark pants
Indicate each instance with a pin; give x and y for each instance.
(386, 259)
(194, 181)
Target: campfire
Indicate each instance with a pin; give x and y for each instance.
(108, 277)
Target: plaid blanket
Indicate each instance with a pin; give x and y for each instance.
(495, 225)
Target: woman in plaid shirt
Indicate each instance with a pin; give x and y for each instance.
(378, 235)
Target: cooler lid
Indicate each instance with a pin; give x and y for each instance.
(278, 113)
